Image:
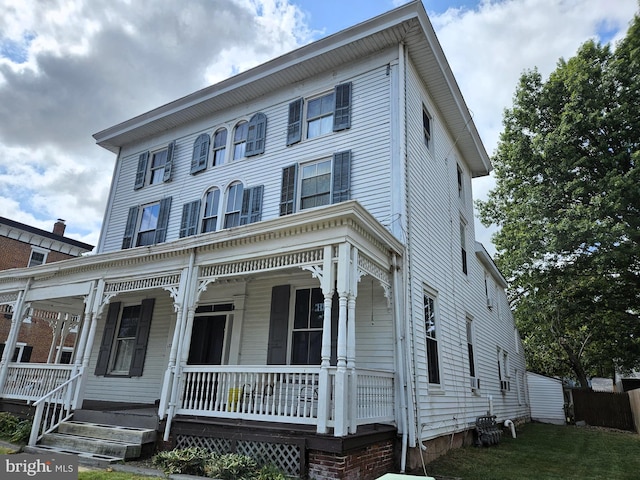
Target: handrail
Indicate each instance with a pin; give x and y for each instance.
(57, 410)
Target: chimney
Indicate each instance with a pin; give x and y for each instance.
(58, 227)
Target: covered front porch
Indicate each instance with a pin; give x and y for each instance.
(257, 363)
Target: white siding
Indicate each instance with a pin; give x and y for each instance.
(547, 399)
(144, 389)
(435, 215)
(368, 139)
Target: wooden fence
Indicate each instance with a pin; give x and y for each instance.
(603, 409)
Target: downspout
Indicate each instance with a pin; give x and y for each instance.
(400, 354)
(180, 342)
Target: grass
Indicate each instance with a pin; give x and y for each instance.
(547, 452)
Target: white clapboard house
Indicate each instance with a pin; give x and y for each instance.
(288, 267)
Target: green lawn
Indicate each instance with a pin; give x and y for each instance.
(547, 452)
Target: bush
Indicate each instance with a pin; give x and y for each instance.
(188, 461)
(14, 429)
(231, 466)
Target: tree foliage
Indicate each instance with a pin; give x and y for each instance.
(567, 204)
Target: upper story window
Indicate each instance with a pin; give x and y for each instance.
(256, 135)
(322, 114)
(211, 207)
(431, 332)
(240, 140)
(315, 184)
(200, 156)
(147, 224)
(219, 146)
(463, 245)
(460, 178)
(472, 363)
(38, 257)
(158, 170)
(426, 126)
(234, 205)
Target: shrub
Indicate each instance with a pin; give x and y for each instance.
(201, 462)
(188, 461)
(14, 429)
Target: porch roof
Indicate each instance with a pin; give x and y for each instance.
(333, 224)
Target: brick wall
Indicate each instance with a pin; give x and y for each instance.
(367, 463)
(16, 254)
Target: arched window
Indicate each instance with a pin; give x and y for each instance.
(211, 208)
(240, 140)
(234, 205)
(219, 146)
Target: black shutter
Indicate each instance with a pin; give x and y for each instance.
(256, 135)
(143, 159)
(130, 228)
(251, 210)
(26, 354)
(294, 130)
(168, 164)
(163, 220)
(200, 153)
(341, 176)
(278, 325)
(142, 338)
(107, 338)
(288, 191)
(190, 216)
(342, 111)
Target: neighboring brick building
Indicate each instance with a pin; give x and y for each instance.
(25, 246)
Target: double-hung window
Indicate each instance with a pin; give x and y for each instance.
(306, 336)
(219, 146)
(240, 140)
(472, 363)
(329, 112)
(38, 256)
(124, 340)
(234, 205)
(431, 331)
(210, 215)
(156, 167)
(426, 127)
(314, 184)
(463, 246)
(147, 224)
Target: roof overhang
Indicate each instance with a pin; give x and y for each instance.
(408, 24)
(490, 265)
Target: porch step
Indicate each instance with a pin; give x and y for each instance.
(86, 458)
(111, 448)
(101, 442)
(108, 432)
(140, 418)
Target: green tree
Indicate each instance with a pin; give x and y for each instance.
(567, 204)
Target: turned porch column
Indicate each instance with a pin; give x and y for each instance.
(341, 392)
(327, 280)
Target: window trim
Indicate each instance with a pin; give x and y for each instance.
(107, 345)
(217, 215)
(237, 142)
(427, 128)
(434, 373)
(40, 251)
(219, 148)
(144, 173)
(237, 208)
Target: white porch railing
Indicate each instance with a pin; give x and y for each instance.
(259, 393)
(279, 394)
(31, 381)
(53, 408)
(376, 399)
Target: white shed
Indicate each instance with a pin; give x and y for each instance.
(546, 399)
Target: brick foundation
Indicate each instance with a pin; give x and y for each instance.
(365, 463)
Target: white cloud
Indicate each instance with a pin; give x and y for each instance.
(70, 68)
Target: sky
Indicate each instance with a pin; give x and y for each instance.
(71, 68)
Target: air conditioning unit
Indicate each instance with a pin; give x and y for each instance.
(505, 386)
(475, 383)
(489, 302)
